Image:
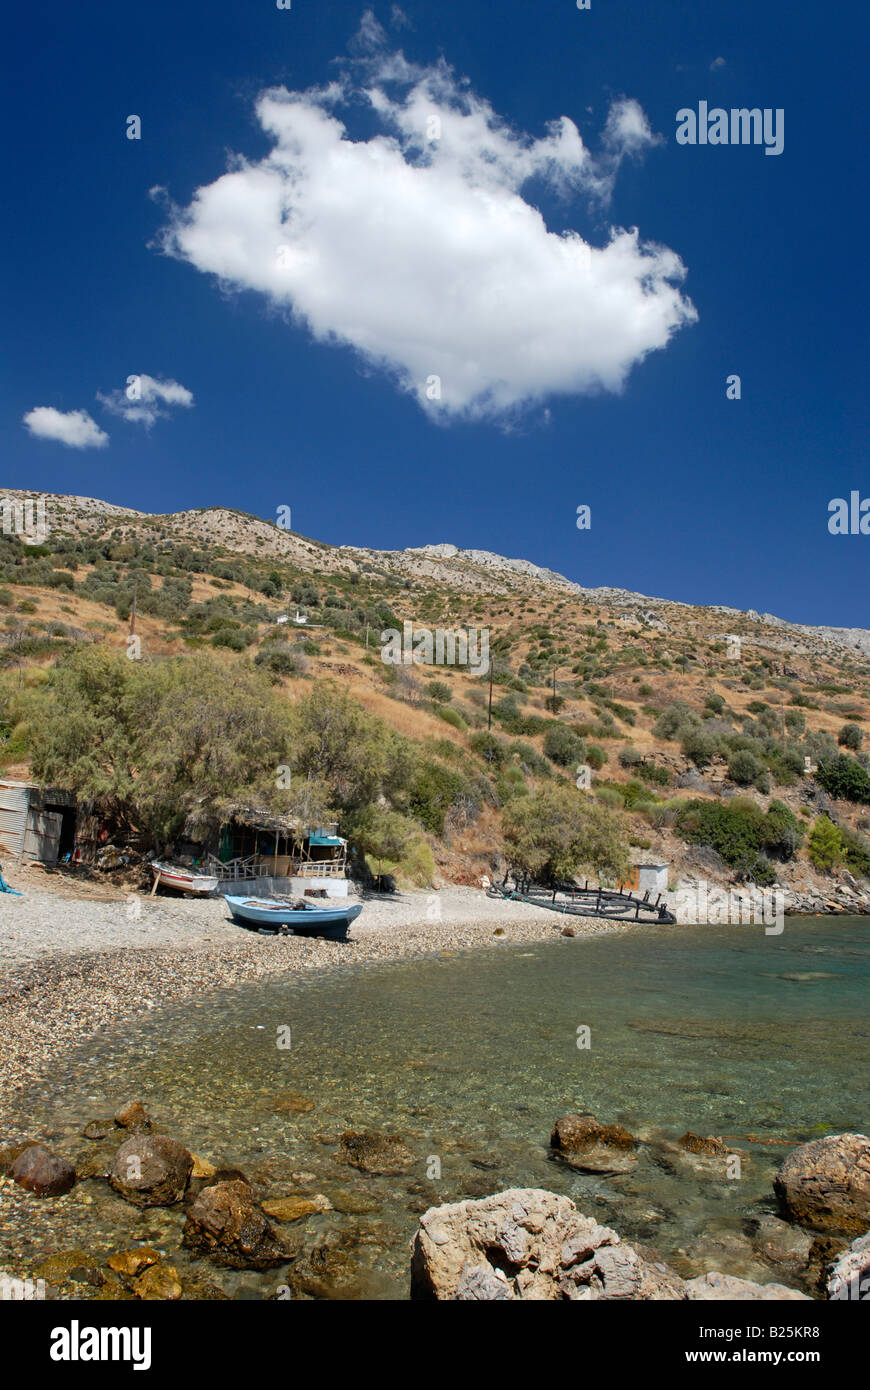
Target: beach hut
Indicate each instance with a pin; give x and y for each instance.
(36, 824)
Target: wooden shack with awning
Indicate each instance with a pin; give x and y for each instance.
(37, 825)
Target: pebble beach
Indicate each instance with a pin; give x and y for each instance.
(75, 960)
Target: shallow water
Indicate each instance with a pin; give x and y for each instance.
(471, 1058)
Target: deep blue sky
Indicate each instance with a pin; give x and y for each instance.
(693, 497)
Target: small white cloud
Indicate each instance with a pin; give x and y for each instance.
(74, 428)
(398, 19)
(145, 399)
(717, 63)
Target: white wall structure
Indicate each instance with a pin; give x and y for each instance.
(652, 878)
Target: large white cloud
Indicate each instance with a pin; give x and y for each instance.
(74, 428)
(415, 245)
(145, 399)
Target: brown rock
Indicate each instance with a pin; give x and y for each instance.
(151, 1170)
(826, 1184)
(375, 1153)
(224, 1223)
(132, 1262)
(295, 1208)
(202, 1168)
(133, 1117)
(158, 1282)
(96, 1129)
(709, 1147)
(41, 1172)
(291, 1103)
(714, 1288)
(583, 1143)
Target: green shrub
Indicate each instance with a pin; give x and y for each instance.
(845, 778)
(563, 747)
(452, 717)
(744, 768)
(596, 757)
(850, 736)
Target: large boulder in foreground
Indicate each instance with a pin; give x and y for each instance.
(531, 1244)
(584, 1143)
(527, 1243)
(225, 1223)
(826, 1184)
(38, 1170)
(151, 1170)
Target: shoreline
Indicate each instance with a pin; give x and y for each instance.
(73, 968)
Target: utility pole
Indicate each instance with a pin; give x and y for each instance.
(133, 607)
(489, 716)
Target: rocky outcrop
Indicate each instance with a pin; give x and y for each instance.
(225, 1224)
(527, 1243)
(375, 1153)
(583, 1143)
(826, 1184)
(151, 1170)
(850, 1276)
(41, 1172)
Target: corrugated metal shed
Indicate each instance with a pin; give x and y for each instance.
(14, 805)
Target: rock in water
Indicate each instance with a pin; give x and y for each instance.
(530, 1244)
(583, 1143)
(224, 1223)
(132, 1262)
(826, 1184)
(158, 1281)
(375, 1153)
(295, 1208)
(133, 1117)
(151, 1170)
(39, 1171)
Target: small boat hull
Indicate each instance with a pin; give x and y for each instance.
(266, 914)
(183, 880)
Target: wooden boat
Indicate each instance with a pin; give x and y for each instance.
(303, 918)
(184, 880)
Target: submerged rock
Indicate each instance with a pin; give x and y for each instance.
(783, 1245)
(291, 1103)
(375, 1153)
(151, 1170)
(158, 1281)
(132, 1262)
(583, 1142)
(225, 1224)
(295, 1208)
(96, 1129)
(41, 1172)
(826, 1184)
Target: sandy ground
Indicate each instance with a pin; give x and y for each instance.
(76, 960)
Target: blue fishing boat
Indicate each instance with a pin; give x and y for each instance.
(292, 914)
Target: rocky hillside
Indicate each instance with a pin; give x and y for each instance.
(662, 703)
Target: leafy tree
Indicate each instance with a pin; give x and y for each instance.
(825, 845)
(553, 834)
(744, 768)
